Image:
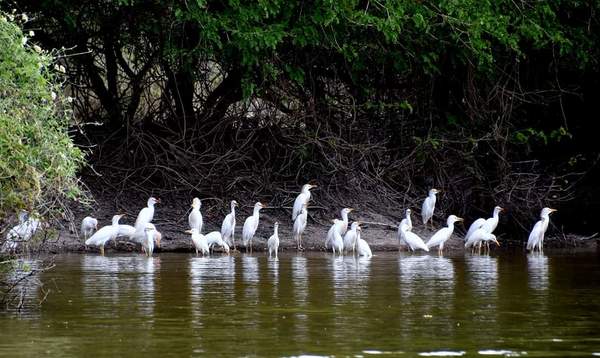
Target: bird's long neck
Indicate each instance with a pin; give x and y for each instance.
(233, 209)
(451, 226)
(432, 197)
(496, 215)
(345, 217)
(276, 231)
(256, 211)
(115, 222)
(408, 220)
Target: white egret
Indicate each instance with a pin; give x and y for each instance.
(106, 233)
(340, 225)
(148, 243)
(429, 207)
(412, 240)
(273, 242)
(23, 232)
(536, 237)
(250, 226)
(405, 225)
(214, 238)
(200, 242)
(299, 226)
(443, 234)
(301, 200)
(139, 236)
(228, 226)
(489, 224)
(478, 237)
(195, 217)
(351, 237)
(362, 247)
(88, 226)
(146, 214)
(337, 243)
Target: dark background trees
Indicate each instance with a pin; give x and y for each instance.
(377, 100)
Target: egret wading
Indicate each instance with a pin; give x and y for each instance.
(442, 235)
(488, 225)
(478, 237)
(301, 200)
(337, 243)
(148, 243)
(273, 242)
(23, 232)
(200, 242)
(413, 240)
(106, 233)
(250, 226)
(351, 237)
(429, 207)
(300, 226)
(214, 238)
(536, 237)
(195, 218)
(146, 214)
(362, 247)
(405, 225)
(340, 226)
(228, 226)
(88, 226)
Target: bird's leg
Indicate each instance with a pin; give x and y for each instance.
(102, 250)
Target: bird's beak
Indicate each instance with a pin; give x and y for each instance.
(263, 205)
(188, 231)
(158, 200)
(497, 243)
(350, 209)
(553, 210)
(314, 186)
(460, 219)
(501, 209)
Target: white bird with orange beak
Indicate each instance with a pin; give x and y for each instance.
(301, 200)
(106, 233)
(536, 237)
(146, 214)
(250, 226)
(88, 226)
(429, 207)
(228, 226)
(442, 235)
(195, 217)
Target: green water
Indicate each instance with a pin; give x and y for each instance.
(181, 305)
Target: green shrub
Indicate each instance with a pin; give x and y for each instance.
(38, 161)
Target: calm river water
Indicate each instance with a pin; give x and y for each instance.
(314, 304)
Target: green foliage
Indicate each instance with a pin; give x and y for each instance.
(38, 161)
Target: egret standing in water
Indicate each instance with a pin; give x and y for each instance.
(337, 243)
(200, 242)
(428, 207)
(146, 214)
(250, 226)
(149, 237)
(478, 237)
(536, 237)
(362, 247)
(195, 217)
(489, 224)
(351, 236)
(228, 226)
(273, 242)
(23, 232)
(443, 234)
(106, 233)
(405, 225)
(215, 238)
(340, 225)
(299, 226)
(412, 240)
(301, 200)
(88, 226)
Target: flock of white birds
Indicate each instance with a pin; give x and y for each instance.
(339, 238)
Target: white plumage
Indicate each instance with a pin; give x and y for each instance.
(23, 232)
(351, 237)
(200, 242)
(412, 240)
(146, 214)
(429, 206)
(301, 200)
(250, 226)
(442, 235)
(106, 233)
(480, 236)
(300, 226)
(273, 242)
(536, 237)
(362, 247)
(337, 243)
(214, 238)
(149, 237)
(228, 226)
(489, 224)
(340, 226)
(195, 218)
(405, 225)
(88, 226)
